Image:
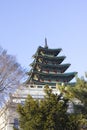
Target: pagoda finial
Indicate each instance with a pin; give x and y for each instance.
(46, 46)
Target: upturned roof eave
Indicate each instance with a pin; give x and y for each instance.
(53, 74)
(48, 49)
(34, 82)
(53, 65)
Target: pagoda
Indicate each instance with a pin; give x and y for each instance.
(47, 67)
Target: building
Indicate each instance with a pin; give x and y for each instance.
(8, 113)
(47, 69)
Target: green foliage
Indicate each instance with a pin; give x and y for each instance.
(49, 113)
(15, 128)
(28, 114)
(78, 96)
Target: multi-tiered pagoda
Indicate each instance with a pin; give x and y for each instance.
(47, 67)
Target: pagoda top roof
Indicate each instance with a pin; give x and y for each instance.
(49, 51)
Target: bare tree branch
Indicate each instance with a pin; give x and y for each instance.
(11, 75)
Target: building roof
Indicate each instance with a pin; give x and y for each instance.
(48, 83)
(48, 51)
(47, 67)
(53, 60)
(57, 68)
(62, 77)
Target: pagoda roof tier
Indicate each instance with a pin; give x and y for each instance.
(49, 67)
(49, 59)
(49, 83)
(48, 51)
(60, 77)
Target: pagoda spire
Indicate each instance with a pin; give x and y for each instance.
(46, 46)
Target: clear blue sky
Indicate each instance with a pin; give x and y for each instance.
(24, 24)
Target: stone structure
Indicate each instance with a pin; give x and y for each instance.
(8, 113)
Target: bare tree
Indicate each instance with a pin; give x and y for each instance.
(11, 74)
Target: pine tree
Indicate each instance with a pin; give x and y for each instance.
(47, 114)
(77, 95)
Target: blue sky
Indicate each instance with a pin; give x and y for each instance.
(24, 24)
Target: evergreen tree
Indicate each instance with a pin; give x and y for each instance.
(77, 95)
(47, 114)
